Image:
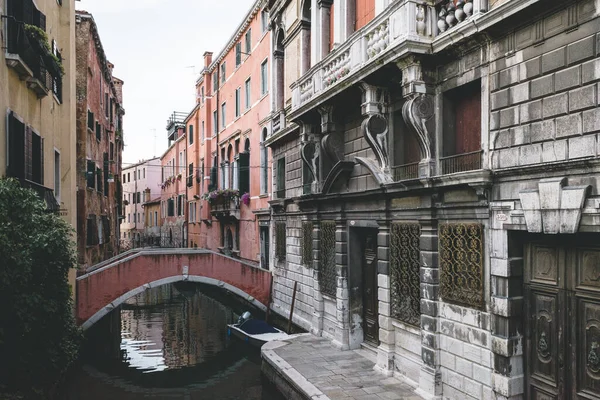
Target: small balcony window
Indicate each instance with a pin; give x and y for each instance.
(462, 129)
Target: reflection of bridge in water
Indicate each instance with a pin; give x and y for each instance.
(105, 286)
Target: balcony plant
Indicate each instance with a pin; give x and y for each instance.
(39, 39)
(246, 199)
(221, 196)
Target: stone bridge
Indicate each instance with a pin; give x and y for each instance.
(105, 286)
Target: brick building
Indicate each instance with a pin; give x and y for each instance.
(174, 226)
(99, 121)
(37, 100)
(137, 179)
(226, 155)
(436, 188)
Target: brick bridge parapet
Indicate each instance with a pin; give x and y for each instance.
(105, 286)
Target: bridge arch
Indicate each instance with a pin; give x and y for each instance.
(104, 287)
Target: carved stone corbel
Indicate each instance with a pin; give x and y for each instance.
(375, 126)
(310, 154)
(332, 141)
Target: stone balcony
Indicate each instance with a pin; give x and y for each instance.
(403, 28)
(226, 210)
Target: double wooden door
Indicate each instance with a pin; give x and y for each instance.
(370, 302)
(562, 320)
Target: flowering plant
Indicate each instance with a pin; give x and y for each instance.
(246, 198)
(221, 196)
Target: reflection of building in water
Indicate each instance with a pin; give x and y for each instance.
(194, 330)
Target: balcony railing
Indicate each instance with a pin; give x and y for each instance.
(44, 193)
(230, 208)
(405, 172)
(26, 58)
(461, 162)
(175, 122)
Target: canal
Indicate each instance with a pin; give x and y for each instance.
(169, 342)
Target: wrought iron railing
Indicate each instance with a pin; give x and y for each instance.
(405, 172)
(461, 162)
(150, 241)
(19, 44)
(44, 193)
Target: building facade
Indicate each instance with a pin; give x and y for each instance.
(37, 97)
(173, 183)
(435, 171)
(228, 166)
(99, 146)
(138, 178)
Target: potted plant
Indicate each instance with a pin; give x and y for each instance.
(246, 198)
(39, 40)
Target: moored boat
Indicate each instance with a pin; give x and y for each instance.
(254, 331)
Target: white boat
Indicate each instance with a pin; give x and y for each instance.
(255, 331)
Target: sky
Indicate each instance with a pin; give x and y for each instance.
(157, 47)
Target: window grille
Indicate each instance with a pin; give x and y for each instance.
(327, 272)
(405, 269)
(461, 264)
(280, 240)
(307, 243)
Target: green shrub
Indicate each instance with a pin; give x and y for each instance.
(39, 338)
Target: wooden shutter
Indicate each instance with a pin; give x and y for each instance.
(238, 54)
(41, 20)
(16, 147)
(28, 150)
(213, 178)
(244, 173)
(28, 8)
(41, 182)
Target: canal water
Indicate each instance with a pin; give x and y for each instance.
(169, 342)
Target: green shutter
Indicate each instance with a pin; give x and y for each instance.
(244, 173)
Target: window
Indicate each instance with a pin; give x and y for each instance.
(57, 78)
(202, 132)
(248, 38)
(112, 152)
(90, 174)
(170, 208)
(106, 105)
(99, 185)
(462, 129)
(264, 20)
(191, 134)
(124, 176)
(92, 238)
(215, 122)
(223, 70)
(223, 114)
(181, 166)
(202, 94)
(155, 218)
(238, 54)
(129, 218)
(264, 151)
(98, 131)
(134, 218)
(280, 194)
(247, 94)
(139, 197)
(144, 173)
(190, 178)
(264, 85)
(180, 205)
(215, 82)
(90, 121)
(191, 212)
(134, 175)
(128, 177)
(105, 173)
(238, 95)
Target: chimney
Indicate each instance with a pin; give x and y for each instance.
(147, 195)
(207, 59)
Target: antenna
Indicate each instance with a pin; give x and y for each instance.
(154, 130)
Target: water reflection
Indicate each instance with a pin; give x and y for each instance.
(173, 344)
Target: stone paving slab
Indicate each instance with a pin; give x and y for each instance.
(320, 371)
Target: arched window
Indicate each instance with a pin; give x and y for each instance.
(228, 241)
(279, 60)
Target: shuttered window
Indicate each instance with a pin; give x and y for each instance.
(90, 174)
(99, 180)
(90, 121)
(106, 174)
(98, 131)
(191, 134)
(92, 231)
(244, 173)
(248, 39)
(170, 208)
(238, 54)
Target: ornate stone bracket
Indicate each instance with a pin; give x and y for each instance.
(375, 126)
(553, 208)
(310, 153)
(332, 141)
(417, 110)
(341, 169)
(373, 167)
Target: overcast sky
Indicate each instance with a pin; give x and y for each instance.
(157, 47)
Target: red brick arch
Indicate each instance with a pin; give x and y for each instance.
(107, 285)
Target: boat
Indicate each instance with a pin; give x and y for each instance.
(256, 332)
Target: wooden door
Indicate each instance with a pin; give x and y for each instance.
(562, 321)
(370, 302)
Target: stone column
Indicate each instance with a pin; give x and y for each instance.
(278, 79)
(325, 26)
(318, 302)
(387, 333)
(506, 306)
(342, 334)
(430, 380)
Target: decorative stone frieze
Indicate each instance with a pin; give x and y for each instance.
(553, 208)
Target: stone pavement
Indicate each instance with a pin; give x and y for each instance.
(315, 369)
